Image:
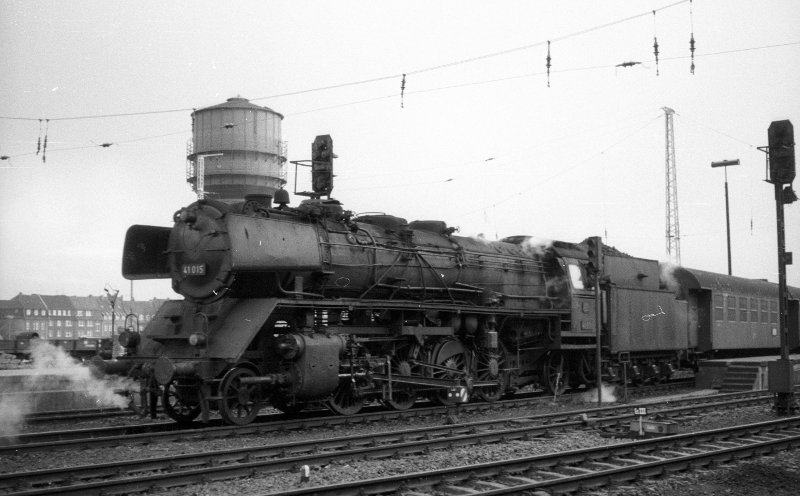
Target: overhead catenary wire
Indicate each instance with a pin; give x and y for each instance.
(390, 76)
(393, 95)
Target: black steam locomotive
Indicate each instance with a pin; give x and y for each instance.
(293, 306)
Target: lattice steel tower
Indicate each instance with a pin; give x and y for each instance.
(673, 225)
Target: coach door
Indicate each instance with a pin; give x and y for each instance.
(793, 324)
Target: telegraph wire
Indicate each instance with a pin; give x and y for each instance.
(383, 78)
(394, 95)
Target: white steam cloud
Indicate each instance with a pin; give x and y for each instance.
(536, 246)
(52, 363)
(607, 394)
(668, 279)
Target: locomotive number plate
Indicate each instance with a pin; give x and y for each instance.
(194, 269)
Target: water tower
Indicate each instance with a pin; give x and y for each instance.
(236, 150)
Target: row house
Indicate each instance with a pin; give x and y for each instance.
(71, 317)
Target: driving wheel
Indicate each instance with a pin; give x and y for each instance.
(554, 374)
(345, 400)
(239, 403)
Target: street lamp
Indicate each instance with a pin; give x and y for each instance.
(725, 164)
(112, 299)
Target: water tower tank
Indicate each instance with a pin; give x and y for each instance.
(236, 150)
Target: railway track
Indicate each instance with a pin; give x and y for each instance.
(170, 431)
(140, 475)
(566, 472)
(72, 415)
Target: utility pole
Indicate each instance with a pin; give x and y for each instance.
(725, 164)
(112, 299)
(673, 229)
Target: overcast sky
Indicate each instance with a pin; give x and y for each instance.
(480, 140)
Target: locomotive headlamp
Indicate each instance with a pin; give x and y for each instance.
(128, 338)
(198, 339)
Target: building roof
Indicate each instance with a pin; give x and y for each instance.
(239, 103)
(36, 301)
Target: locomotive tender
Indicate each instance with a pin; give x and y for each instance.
(292, 306)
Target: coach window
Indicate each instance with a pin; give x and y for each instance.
(754, 310)
(742, 309)
(731, 310)
(773, 312)
(719, 310)
(764, 312)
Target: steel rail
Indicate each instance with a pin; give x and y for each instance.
(170, 431)
(567, 472)
(176, 470)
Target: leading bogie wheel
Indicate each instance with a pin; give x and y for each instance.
(239, 403)
(181, 401)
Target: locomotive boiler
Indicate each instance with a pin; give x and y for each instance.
(292, 307)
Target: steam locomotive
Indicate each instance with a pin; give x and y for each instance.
(295, 306)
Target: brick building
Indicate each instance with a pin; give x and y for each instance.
(70, 317)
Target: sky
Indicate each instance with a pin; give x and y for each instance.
(480, 137)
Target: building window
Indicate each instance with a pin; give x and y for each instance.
(68, 323)
(27, 311)
(58, 324)
(79, 313)
(88, 313)
(719, 310)
(731, 310)
(67, 334)
(742, 309)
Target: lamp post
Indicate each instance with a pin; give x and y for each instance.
(725, 164)
(112, 299)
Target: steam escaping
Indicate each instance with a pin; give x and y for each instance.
(54, 369)
(607, 392)
(668, 279)
(534, 246)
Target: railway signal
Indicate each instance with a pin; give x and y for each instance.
(322, 165)
(781, 152)
(594, 269)
(780, 157)
(595, 253)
